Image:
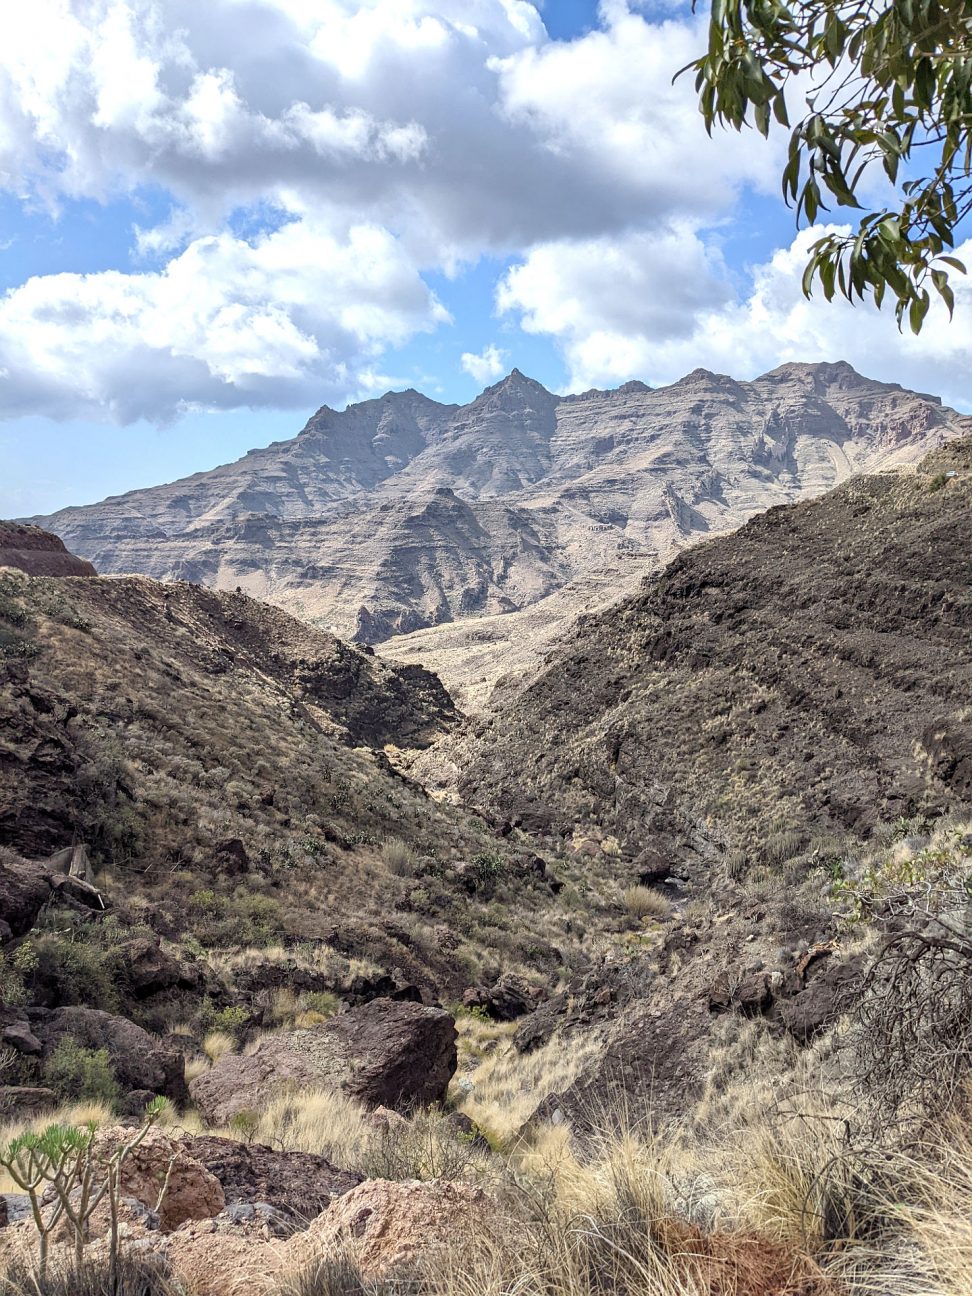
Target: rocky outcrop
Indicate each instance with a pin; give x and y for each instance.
(25, 888)
(138, 1061)
(38, 553)
(385, 1053)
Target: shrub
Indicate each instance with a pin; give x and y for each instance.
(78, 1073)
(646, 902)
(399, 858)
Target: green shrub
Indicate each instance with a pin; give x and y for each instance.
(78, 1074)
(73, 971)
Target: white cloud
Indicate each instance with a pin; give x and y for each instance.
(485, 367)
(656, 308)
(295, 317)
(398, 137)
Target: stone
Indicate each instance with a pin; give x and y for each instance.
(138, 1060)
(297, 1184)
(19, 1036)
(25, 888)
(25, 1102)
(390, 1053)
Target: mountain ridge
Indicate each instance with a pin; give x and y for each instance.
(583, 493)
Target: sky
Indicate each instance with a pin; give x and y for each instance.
(216, 217)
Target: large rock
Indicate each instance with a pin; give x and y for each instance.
(163, 1176)
(299, 1184)
(24, 890)
(387, 1227)
(25, 1103)
(138, 1060)
(385, 1053)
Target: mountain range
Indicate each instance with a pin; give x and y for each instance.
(402, 516)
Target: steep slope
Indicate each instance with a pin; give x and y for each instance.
(811, 673)
(225, 765)
(346, 524)
(29, 549)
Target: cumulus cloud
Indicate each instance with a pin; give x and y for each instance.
(292, 318)
(638, 308)
(486, 366)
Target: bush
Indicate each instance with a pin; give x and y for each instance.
(68, 970)
(399, 858)
(646, 902)
(77, 1074)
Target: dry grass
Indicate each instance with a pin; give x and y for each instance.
(646, 902)
(503, 1089)
(217, 1044)
(399, 857)
(322, 1121)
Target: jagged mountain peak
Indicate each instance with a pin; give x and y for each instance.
(597, 488)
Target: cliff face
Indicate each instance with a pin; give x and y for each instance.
(401, 514)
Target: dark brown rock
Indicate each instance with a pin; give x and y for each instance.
(298, 1183)
(149, 969)
(231, 858)
(828, 993)
(139, 1062)
(511, 997)
(24, 1102)
(385, 1053)
(19, 1036)
(24, 890)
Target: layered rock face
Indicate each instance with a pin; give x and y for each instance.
(400, 514)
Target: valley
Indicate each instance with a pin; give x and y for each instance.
(643, 895)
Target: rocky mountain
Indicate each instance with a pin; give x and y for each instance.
(810, 674)
(226, 768)
(401, 514)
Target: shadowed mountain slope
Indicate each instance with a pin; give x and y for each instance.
(811, 672)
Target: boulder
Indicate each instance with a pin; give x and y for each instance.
(822, 1000)
(150, 970)
(24, 890)
(25, 1103)
(139, 1061)
(511, 997)
(385, 1053)
(388, 1227)
(230, 858)
(19, 1036)
(298, 1184)
(160, 1163)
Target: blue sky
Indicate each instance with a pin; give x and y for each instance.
(215, 218)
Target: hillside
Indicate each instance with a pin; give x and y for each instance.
(225, 766)
(809, 674)
(400, 514)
